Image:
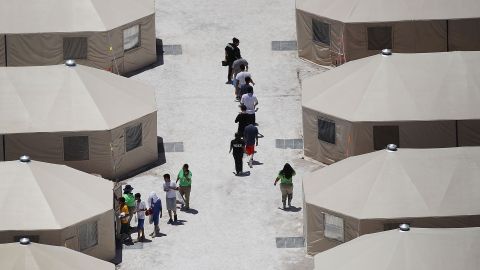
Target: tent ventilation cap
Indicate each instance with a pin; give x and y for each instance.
(25, 159)
(404, 227)
(70, 63)
(386, 52)
(24, 241)
(391, 147)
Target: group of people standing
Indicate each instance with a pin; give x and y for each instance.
(246, 137)
(132, 205)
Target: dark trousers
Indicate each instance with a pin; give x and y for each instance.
(238, 162)
(230, 71)
(251, 119)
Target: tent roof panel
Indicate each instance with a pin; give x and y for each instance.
(400, 87)
(49, 16)
(60, 98)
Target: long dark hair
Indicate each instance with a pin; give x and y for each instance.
(287, 171)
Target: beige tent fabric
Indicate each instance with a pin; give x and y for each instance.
(372, 192)
(427, 249)
(60, 98)
(54, 197)
(401, 87)
(352, 11)
(20, 17)
(2, 51)
(403, 91)
(15, 256)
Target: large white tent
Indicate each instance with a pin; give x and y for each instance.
(412, 100)
(83, 117)
(333, 32)
(417, 248)
(377, 191)
(57, 205)
(33, 256)
(117, 35)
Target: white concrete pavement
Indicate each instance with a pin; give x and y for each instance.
(238, 217)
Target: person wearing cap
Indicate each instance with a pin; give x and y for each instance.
(129, 201)
(185, 185)
(232, 53)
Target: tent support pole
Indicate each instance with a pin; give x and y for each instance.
(456, 132)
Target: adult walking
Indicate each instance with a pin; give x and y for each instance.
(243, 119)
(232, 53)
(237, 145)
(250, 101)
(286, 184)
(185, 185)
(240, 80)
(155, 204)
(171, 197)
(250, 135)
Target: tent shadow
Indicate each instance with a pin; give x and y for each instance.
(158, 62)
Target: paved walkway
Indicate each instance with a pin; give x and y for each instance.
(238, 218)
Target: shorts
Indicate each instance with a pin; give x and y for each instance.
(250, 149)
(172, 204)
(286, 189)
(140, 224)
(125, 229)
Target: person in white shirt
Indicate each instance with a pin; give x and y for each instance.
(140, 209)
(250, 101)
(240, 79)
(171, 197)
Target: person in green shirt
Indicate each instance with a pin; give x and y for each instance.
(286, 184)
(185, 186)
(129, 201)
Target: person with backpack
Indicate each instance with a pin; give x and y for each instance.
(286, 184)
(232, 53)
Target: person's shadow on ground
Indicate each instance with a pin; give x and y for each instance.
(190, 211)
(256, 162)
(179, 222)
(291, 209)
(243, 174)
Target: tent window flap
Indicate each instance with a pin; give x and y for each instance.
(133, 137)
(379, 38)
(326, 130)
(384, 135)
(88, 235)
(75, 148)
(131, 37)
(333, 227)
(321, 32)
(75, 48)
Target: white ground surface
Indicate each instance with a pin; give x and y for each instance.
(238, 217)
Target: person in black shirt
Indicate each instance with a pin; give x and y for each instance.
(237, 145)
(232, 53)
(243, 119)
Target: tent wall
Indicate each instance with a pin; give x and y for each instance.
(48, 147)
(47, 48)
(49, 237)
(323, 151)
(2, 151)
(468, 133)
(124, 162)
(105, 249)
(314, 51)
(357, 138)
(407, 37)
(314, 236)
(464, 35)
(2, 50)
